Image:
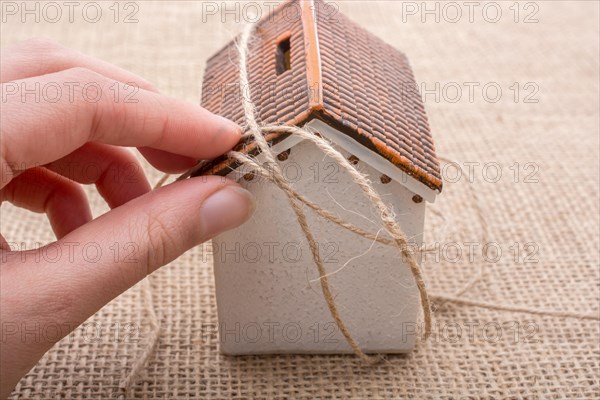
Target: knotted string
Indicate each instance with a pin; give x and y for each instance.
(295, 199)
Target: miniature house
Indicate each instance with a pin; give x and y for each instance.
(311, 67)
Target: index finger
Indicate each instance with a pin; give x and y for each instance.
(40, 56)
(37, 128)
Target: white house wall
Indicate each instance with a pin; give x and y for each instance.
(268, 294)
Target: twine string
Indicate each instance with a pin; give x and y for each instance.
(384, 213)
(153, 335)
(278, 178)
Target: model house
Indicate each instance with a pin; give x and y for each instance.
(311, 67)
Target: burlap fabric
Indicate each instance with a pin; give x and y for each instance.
(542, 134)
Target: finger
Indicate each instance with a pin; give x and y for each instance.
(4, 246)
(134, 240)
(117, 174)
(167, 162)
(40, 56)
(61, 127)
(44, 191)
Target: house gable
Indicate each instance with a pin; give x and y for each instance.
(338, 73)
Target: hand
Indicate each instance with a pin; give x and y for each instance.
(63, 115)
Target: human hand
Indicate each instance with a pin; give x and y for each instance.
(49, 143)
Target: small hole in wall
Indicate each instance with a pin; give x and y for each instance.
(249, 176)
(284, 56)
(417, 199)
(284, 155)
(385, 179)
(353, 160)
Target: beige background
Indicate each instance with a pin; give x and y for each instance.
(557, 358)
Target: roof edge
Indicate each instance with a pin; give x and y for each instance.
(379, 147)
(314, 71)
(223, 166)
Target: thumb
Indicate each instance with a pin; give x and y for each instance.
(116, 250)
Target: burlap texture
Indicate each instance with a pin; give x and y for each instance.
(548, 200)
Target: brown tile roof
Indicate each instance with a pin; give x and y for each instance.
(339, 73)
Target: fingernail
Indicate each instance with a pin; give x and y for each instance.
(226, 209)
(230, 125)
